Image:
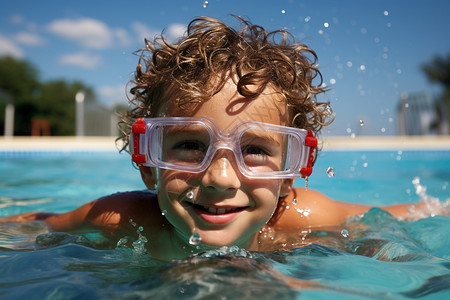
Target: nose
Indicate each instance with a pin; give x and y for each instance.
(223, 173)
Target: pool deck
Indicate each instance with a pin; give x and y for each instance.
(327, 143)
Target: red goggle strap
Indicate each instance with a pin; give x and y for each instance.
(138, 128)
(311, 142)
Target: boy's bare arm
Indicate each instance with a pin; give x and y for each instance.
(108, 212)
(314, 209)
(58, 222)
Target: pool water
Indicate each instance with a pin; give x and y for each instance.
(371, 256)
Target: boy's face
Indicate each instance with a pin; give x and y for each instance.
(220, 204)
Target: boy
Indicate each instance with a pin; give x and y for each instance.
(227, 114)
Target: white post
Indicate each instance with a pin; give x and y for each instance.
(9, 120)
(79, 113)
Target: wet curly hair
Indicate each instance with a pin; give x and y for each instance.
(252, 57)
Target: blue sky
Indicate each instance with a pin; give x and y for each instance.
(370, 52)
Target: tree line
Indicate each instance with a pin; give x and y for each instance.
(52, 101)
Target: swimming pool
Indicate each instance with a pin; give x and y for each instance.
(374, 256)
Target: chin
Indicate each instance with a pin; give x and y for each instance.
(217, 240)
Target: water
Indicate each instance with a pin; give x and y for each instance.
(371, 256)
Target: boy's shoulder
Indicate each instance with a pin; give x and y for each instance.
(308, 208)
(124, 208)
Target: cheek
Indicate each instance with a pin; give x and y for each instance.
(267, 196)
(176, 182)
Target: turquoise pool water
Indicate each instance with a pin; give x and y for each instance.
(380, 257)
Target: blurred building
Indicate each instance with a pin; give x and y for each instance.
(420, 114)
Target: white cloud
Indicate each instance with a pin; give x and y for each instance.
(29, 39)
(122, 37)
(144, 32)
(82, 60)
(172, 33)
(16, 19)
(8, 47)
(175, 31)
(88, 32)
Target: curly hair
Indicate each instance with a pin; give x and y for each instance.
(252, 57)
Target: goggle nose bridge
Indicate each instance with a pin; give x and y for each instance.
(224, 141)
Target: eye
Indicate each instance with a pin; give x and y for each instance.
(190, 145)
(255, 150)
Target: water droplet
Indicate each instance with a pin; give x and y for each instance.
(283, 11)
(164, 212)
(331, 172)
(195, 239)
(307, 19)
(386, 13)
(205, 4)
(326, 24)
(190, 195)
(365, 165)
(287, 206)
(141, 228)
(361, 123)
(344, 233)
(132, 223)
(294, 201)
(362, 67)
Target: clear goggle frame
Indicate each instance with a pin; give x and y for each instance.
(188, 144)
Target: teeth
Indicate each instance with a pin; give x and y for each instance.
(218, 211)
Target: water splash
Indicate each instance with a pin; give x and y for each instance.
(226, 250)
(428, 205)
(331, 172)
(139, 244)
(122, 243)
(195, 239)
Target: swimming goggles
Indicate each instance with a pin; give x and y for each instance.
(189, 144)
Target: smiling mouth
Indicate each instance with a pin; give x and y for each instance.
(217, 210)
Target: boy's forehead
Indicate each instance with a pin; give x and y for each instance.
(231, 107)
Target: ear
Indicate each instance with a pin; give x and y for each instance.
(148, 177)
(286, 187)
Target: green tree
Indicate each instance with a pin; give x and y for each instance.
(56, 103)
(20, 80)
(53, 101)
(438, 70)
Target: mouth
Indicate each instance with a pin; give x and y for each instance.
(216, 215)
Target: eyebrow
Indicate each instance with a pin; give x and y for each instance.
(175, 129)
(266, 137)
